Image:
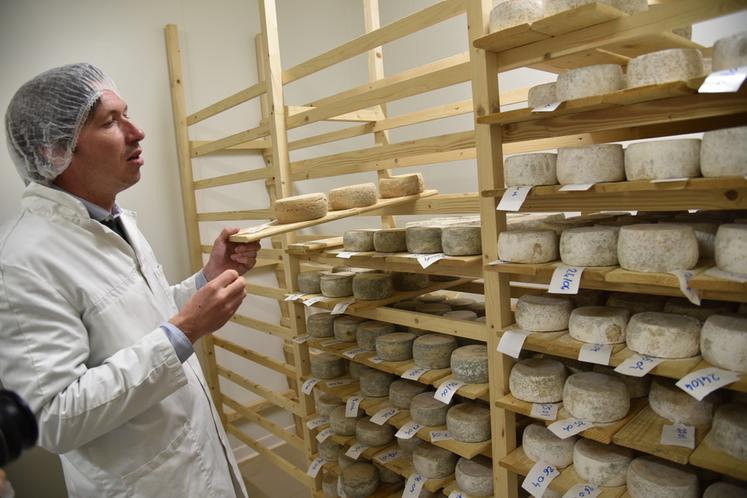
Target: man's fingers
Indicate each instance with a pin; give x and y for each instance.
(227, 232)
(226, 278)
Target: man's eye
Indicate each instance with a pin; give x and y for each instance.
(109, 123)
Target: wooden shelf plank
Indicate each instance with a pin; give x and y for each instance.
(463, 267)
(708, 457)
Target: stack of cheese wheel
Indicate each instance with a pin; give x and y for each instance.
(590, 164)
(401, 392)
(537, 380)
(427, 410)
(300, 208)
(403, 281)
(650, 477)
(390, 240)
(545, 313)
(345, 327)
(722, 152)
(528, 246)
(589, 81)
(596, 397)
(663, 335)
(674, 64)
(509, 13)
(372, 285)
(729, 52)
(729, 431)
(320, 324)
(475, 476)
(469, 422)
(433, 462)
(530, 169)
(433, 350)
(329, 450)
(598, 324)
(723, 342)
(663, 159)
(540, 444)
(358, 240)
(731, 248)
(352, 196)
(589, 246)
(601, 464)
(337, 284)
(461, 240)
(675, 405)
(359, 480)
(308, 282)
(423, 239)
(657, 247)
(553, 7)
(326, 366)
(367, 332)
(541, 95)
(400, 185)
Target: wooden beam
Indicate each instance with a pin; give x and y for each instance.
(229, 102)
(366, 115)
(233, 178)
(230, 141)
(261, 290)
(250, 355)
(259, 144)
(275, 398)
(263, 422)
(262, 326)
(250, 214)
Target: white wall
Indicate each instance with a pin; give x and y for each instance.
(217, 41)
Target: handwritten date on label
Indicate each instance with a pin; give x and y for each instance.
(415, 373)
(583, 490)
(447, 390)
(383, 415)
(595, 353)
(678, 435)
(408, 430)
(440, 436)
(512, 341)
(352, 353)
(375, 359)
(324, 435)
(308, 386)
(387, 456)
(356, 450)
(314, 300)
(569, 427)
(638, 365)
(427, 260)
(352, 405)
(413, 486)
(545, 411)
(566, 279)
(339, 382)
(539, 478)
(703, 382)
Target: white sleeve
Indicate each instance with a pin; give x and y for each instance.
(184, 290)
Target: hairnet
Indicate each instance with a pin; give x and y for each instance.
(45, 116)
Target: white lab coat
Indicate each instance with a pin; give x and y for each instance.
(80, 341)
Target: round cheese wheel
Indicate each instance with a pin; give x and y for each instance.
(423, 240)
(589, 246)
(674, 64)
(408, 304)
(596, 397)
(663, 159)
(731, 248)
(427, 410)
(638, 387)
(372, 286)
(367, 332)
(403, 281)
(469, 364)
(723, 489)
(598, 324)
(460, 303)
(407, 446)
(650, 477)
(352, 196)
(657, 247)
(541, 95)
(729, 431)
(588, 81)
(358, 240)
(344, 461)
(706, 234)
(355, 369)
(387, 476)
(390, 240)
(326, 366)
(359, 480)
(635, 303)
(553, 7)
(722, 152)
(300, 208)
(461, 240)
(730, 52)
(395, 347)
(401, 392)
(601, 464)
(543, 313)
(509, 13)
(340, 424)
(329, 485)
(375, 383)
(475, 477)
(469, 422)
(537, 380)
(308, 282)
(433, 350)
(723, 342)
(433, 308)
(663, 335)
(460, 315)
(329, 450)
(320, 324)
(528, 246)
(325, 403)
(539, 443)
(530, 169)
(590, 164)
(682, 306)
(339, 284)
(401, 185)
(345, 327)
(371, 434)
(433, 462)
(675, 405)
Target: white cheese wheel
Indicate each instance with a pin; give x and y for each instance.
(663, 335)
(372, 285)
(461, 240)
(469, 422)
(723, 342)
(509, 13)
(338, 284)
(553, 7)
(469, 364)
(329, 450)
(433, 350)
(669, 401)
(358, 240)
(407, 446)
(427, 410)
(681, 306)
(601, 464)
(722, 152)
(371, 434)
(541, 95)
(729, 431)
(400, 185)
(663, 159)
(433, 462)
(340, 424)
(475, 477)
(540, 444)
(674, 64)
(730, 52)
(423, 240)
(591, 164)
(588, 81)
(359, 480)
(589, 246)
(390, 240)
(543, 313)
(528, 246)
(638, 387)
(308, 282)
(654, 478)
(635, 303)
(367, 332)
(530, 169)
(401, 392)
(596, 397)
(300, 208)
(657, 247)
(404, 281)
(723, 489)
(375, 383)
(705, 232)
(598, 324)
(326, 403)
(537, 380)
(345, 327)
(320, 324)
(395, 347)
(352, 196)
(731, 248)
(327, 366)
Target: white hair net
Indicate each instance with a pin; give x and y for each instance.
(45, 117)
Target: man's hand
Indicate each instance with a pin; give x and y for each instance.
(211, 306)
(227, 255)
(2, 481)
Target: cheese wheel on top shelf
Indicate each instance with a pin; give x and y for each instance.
(475, 476)
(590, 164)
(657, 247)
(598, 324)
(589, 246)
(540, 444)
(553, 7)
(359, 480)
(729, 430)
(650, 477)
(528, 246)
(530, 169)
(601, 464)
(352, 196)
(731, 248)
(722, 152)
(509, 13)
(588, 81)
(390, 240)
(662, 159)
(669, 401)
(543, 313)
(401, 185)
(300, 208)
(537, 380)
(723, 342)
(730, 52)
(596, 397)
(674, 64)
(663, 335)
(541, 95)
(358, 240)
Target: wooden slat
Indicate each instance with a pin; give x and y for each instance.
(229, 102)
(455, 267)
(464, 203)
(276, 398)
(234, 178)
(260, 144)
(367, 115)
(269, 425)
(249, 214)
(264, 291)
(707, 456)
(230, 141)
(248, 354)
(261, 326)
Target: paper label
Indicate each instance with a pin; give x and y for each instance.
(569, 427)
(571, 214)
(415, 373)
(702, 382)
(678, 435)
(566, 279)
(576, 187)
(324, 435)
(356, 450)
(314, 300)
(413, 486)
(317, 422)
(583, 490)
(345, 254)
(384, 414)
(408, 430)
(387, 456)
(497, 262)
(513, 198)
(547, 107)
(457, 494)
(315, 466)
(352, 405)
(308, 386)
(545, 411)
(638, 365)
(341, 307)
(726, 81)
(427, 260)
(375, 359)
(684, 277)
(539, 478)
(447, 390)
(440, 436)
(352, 353)
(300, 339)
(596, 353)
(329, 342)
(294, 297)
(512, 341)
(339, 382)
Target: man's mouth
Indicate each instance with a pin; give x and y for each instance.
(136, 156)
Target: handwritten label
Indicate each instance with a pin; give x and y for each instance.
(315, 467)
(497, 262)
(566, 279)
(339, 382)
(415, 373)
(440, 436)
(512, 341)
(678, 435)
(352, 405)
(408, 430)
(539, 478)
(352, 353)
(726, 81)
(356, 450)
(294, 297)
(513, 198)
(346, 254)
(700, 383)
(324, 435)
(317, 422)
(300, 339)
(376, 359)
(413, 486)
(447, 390)
(547, 107)
(341, 307)
(584, 490)
(569, 427)
(684, 277)
(329, 342)
(545, 411)
(314, 300)
(638, 365)
(427, 260)
(457, 494)
(308, 386)
(596, 353)
(384, 414)
(576, 187)
(387, 456)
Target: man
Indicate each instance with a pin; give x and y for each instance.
(91, 334)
